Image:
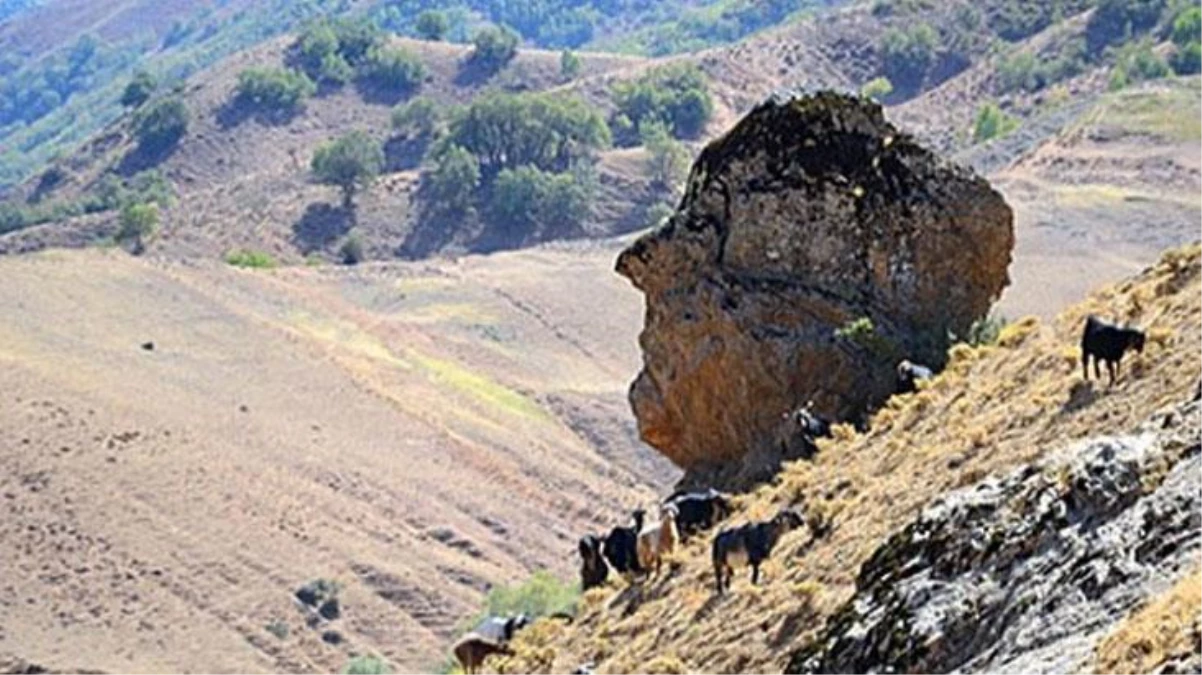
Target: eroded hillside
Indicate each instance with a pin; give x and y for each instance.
(996, 409)
(184, 445)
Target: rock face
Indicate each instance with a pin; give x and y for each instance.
(1026, 573)
(811, 213)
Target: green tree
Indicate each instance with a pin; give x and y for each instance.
(569, 64)
(139, 89)
(138, 224)
(419, 117)
(394, 71)
(548, 131)
(878, 88)
(527, 199)
(352, 250)
(669, 161)
(449, 187)
(677, 95)
(494, 46)
(991, 122)
(350, 162)
(1187, 60)
(278, 91)
(1118, 20)
(432, 25)
(159, 126)
(1187, 26)
(1136, 62)
(907, 54)
(367, 664)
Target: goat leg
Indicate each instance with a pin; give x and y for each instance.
(1085, 364)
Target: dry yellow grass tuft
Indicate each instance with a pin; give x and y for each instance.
(1168, 627)
(992, 409)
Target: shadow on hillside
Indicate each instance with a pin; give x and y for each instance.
(1082, 395)
(473, 73)
(235, 112)
(140, 158)
(321, 226)
(377, 95)
(403, 153)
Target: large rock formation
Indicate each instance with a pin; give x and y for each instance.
(1026, 573)
(811, 213)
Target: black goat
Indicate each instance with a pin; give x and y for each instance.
(1107, 342)
(809, 423)
(751, 545)
(697, 511)
(621, 547)
(908, 375)
(593, 570)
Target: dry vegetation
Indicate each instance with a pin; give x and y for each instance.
(1168, 627)
(994, 408)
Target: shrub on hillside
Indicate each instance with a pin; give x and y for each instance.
(877, 88)
(541, 595)
(992, 122)
(449, 185)
(367, 664)
(549, 131)
(419, 117)
(677, 95)
(250, 258)
(350, 162)
(432, 25)
(528, 199)
(907, 54)
(139, 89)
(329, 50)
(494, 47)
(278, 91)
(1187, 60)
(1187, 25)
(669, 161)
(351, 251)
(392, 70)
(139, 222)
(1136, 62)
(160, 125)
(1115, 21)
(569, 64)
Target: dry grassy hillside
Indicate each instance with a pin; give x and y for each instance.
(1102, 198)
(415, 433)
(995, 408)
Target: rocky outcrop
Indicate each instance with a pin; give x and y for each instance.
(1027, 572)
(810, 214)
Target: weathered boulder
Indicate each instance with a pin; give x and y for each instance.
(1025, 573)
(811, 213)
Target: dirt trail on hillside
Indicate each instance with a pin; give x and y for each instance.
(381, 427)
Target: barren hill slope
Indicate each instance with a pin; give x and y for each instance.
(999, 417)
(415, 433)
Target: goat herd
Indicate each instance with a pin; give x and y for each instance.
(636, 552)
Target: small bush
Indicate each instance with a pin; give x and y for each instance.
(250, 258)
(991, 122)
(495, 46)
(983, 331)
(1136, 62)
(395, 71)
(278, 628)
(138, 224)
(569, 64)
(139, 89)
(669, 162)
(862, 332)
(350, 162)
(1187, 60)
(1114, 21)
(159, 126)
(351, 251)
(908, 54)
(540, 595)
(275, 90)
(1187, 25)
(432, 25)
(367, 664)
(878, 88)
(419, 117)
